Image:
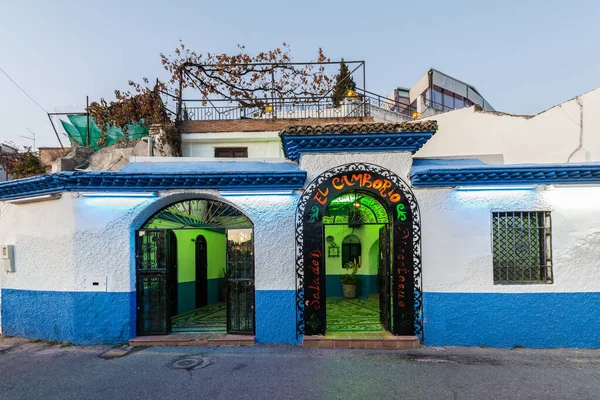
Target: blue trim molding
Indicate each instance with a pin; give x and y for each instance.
(276, 316)
(536, 320)
(78, 317)
(144, 182)
(295, 145)
(483, 174)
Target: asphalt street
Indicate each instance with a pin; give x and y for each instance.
(37, 370)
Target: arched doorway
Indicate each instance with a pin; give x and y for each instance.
(195, 270)
(357, 289)
(399, 268)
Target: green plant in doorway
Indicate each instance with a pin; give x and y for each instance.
(350, 281)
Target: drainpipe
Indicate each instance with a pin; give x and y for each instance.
(150, 146)
(578, 99)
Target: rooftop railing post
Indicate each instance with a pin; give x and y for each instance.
(364, 89)
(87, 110)
(179, 97)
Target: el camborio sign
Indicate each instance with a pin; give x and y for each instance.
(392, 192)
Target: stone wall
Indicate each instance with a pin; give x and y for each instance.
(49, 154)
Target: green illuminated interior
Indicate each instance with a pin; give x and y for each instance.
(345, 206)
(354, 217)
(210, 219)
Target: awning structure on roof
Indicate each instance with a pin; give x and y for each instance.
(450, 173)
(372, 137)
(144, 177)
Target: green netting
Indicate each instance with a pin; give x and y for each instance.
(77, 131)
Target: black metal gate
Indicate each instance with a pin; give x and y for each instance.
(385, 277)
(240, 281)
(406, 311)
(154, 264)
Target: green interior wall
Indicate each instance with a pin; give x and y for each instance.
(368, 273)
(216, 244)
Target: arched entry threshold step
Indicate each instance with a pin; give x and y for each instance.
(361, 341)
(219, 339)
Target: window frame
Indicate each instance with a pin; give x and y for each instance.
(346, 249)
(232, 150)
(549, 277)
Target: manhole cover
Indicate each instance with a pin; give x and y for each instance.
(190, 362)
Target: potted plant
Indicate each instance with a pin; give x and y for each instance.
(350, 281)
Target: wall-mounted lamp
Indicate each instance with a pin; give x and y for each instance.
(480, 188)
(332, 250)
(256, 193)
(118, 194)
(35, 199)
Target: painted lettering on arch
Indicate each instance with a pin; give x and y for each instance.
(314, 298)
(363, 180)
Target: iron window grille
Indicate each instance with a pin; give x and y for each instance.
(351, 251)
(522, 247)
(231, 152)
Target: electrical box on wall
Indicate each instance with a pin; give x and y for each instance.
(95, 284)
(8, 257)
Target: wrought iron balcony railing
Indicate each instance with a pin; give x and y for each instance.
(363, 104)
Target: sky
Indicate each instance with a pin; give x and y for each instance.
(522, 56)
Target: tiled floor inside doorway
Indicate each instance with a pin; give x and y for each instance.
(353, 315)
(209, 319)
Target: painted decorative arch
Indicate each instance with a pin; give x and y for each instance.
(406, 245)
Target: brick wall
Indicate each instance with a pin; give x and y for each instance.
(263, 125)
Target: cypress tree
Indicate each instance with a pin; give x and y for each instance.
(343, 83)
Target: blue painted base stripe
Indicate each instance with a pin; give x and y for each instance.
(276, 316)
(537, 320)
(79, 317)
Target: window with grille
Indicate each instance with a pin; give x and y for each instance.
(522, 249)
(351, 251)
(231, 152)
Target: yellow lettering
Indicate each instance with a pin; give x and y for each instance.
(386, 184)
(347, 181)
(321, 200)
(357, 178)
(366, 181)
(338, 186)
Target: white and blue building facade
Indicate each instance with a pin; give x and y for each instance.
(459, 226)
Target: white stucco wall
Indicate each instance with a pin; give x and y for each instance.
(259, 144)
(315, 164)
(274, 238)
(60, 243)
(456, 229)
(548, 137)
(457, 238)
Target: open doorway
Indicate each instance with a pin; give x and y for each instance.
(357, 265)
(196, 270)
(395, 216)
